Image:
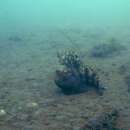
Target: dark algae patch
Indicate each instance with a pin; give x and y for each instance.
(124, 70)
(106, 120)
(112, 47)
(127, 80)
(75, 77)
(15, 38)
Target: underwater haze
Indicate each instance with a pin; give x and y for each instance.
(26, 14)
(64, 64)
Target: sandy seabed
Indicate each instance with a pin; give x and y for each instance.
(30, 100)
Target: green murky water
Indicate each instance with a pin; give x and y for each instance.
(31, 34)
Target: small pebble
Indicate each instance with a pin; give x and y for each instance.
(32, 105)
(2, 112)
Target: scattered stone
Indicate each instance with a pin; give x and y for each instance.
(23, 117)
